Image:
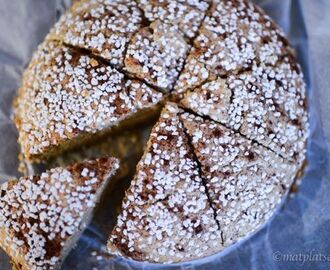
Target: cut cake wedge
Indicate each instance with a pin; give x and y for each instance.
(166, 216)
(41, 217)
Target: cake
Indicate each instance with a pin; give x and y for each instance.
(232, 135)
(42, 216)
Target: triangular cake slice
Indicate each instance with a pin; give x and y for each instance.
(68, 96)
(166, 216)
(41, 217)
(245, 181)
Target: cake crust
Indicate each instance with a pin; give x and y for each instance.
(233, 36)
(266, 104)
(187, 15)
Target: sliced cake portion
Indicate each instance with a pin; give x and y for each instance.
(187, 15)
(156, 54)
(267, 104)
(41, 217)
(233, 35)
(166, 216)
(66, 96)
(245, 181)
(102, 26)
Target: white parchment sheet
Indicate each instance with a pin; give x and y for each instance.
(297, 237)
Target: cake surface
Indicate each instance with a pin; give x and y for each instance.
(42, 216)
(266, 104)
(66, 95)
(186, 15)
(227, 146)
(234, 35)
(242, 181)
(245, 181)
(100, 26)
(156, 54)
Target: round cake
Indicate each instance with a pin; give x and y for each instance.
(231, 136)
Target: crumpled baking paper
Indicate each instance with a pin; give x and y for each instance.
(296, 237)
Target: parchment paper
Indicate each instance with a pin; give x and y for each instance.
(298, 235)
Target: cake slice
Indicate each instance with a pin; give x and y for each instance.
(245, 181)
(68, 97)
(41, 217)
(166, 216)
(101, 26)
